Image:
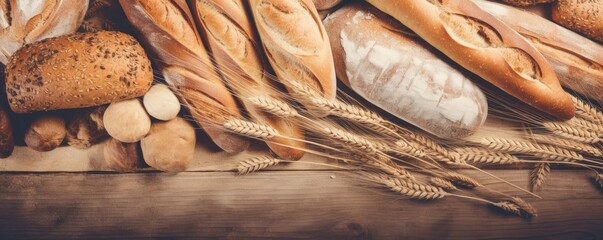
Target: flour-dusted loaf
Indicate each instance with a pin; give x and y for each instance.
(168, 30)
(27, 21)
(583, 16)
(231, 39)
(485, 46)
(76, 71)
(297, 47)
(577, 60)
(400, 73)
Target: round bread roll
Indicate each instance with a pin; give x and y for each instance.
(75, 71)
(585, 17)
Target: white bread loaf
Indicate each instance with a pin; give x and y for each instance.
(297, 47)
(76, 71)
(168, 30)
(402, 74)
(485, 46)
(27, 21)
(577, 60)
(231, 39)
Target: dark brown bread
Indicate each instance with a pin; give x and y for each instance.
(7, 142)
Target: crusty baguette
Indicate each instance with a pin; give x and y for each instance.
(168, 30)
(585, 17)
(24, 22)
(322, 5)
(296, 45)
(400, 73)
(577, 60)
(231, 39)
(524, 3)
(485, 46)
(76, 71)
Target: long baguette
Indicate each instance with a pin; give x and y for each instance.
(485, 46)
(168, 30)
(231, 39)
(578, 61)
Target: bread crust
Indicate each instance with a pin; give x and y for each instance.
(507, 61)
(585, 17)
(76, 71)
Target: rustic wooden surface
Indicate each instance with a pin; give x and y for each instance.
(279, 204)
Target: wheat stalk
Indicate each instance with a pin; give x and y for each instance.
(481, 155)
(273, 106)
(509, 207)
(403, 147)
(256, 164)
(587, 111)
(540, 150)
(538, 175)
(432, 149)
(567, 144)
(250, 129)
(411, 189)
(571, 132)
(442, 183)
(302, 90)
(350, 139)
(596, 128)
(461, 179)
(599, 179)
(525, 206)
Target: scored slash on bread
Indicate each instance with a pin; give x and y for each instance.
(485, 46)
(169, 32)
(231, 39)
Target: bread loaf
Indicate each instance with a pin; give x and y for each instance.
(175, 156)
(46, 132)
(26, 21)
(76, 71)
(7, 141)
(583, 16)
(322, 5)
(400, 73)
(485, 46)
(297, 46)
(577, 60)
(231, 40)
(85, 127)
(169, 32)
(523, 3)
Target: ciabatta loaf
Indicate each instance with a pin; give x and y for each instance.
(168, 30)
(231, 38)
(297, 47)
(76, 71)
(400, 73)
(485, 46)
(577, 60)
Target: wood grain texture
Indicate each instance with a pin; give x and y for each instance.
(277, 204)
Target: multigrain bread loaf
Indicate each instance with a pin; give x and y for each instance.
(583, 16)
(485, 46)
(231, 39)
(23, 22)
(297, 47)
(397, 71)
(577, 60)
(76, 71)
(523, 3)
(168, 30)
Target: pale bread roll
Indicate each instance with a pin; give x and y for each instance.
(487, 47)
(402, 74)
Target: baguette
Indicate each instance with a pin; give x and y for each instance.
(577, 60)
(169, 32)
(400, 73)
(322, 5)
(585, 17)
(24, 22)
(487, 47)
(237, 56)
(297, 47)
(525, 3)
(75, 71)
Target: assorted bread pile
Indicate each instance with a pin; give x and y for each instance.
(417, 77)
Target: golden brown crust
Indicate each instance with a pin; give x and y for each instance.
(585, 17)
(76, 71)
(524, 3)
(176, 156)
(46, 132)
(7, 142)
(507, 65)
(231, 39)
(322, 5)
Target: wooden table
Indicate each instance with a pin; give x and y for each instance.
(294, 203)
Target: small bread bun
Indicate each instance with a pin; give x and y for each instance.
(585, 17)
(76, 71)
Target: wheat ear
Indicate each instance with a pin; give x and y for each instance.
(587, 111)
(461, 179)
(442, 183)
(432, 149)
(599, 179)
(411, 189)
(481, 155)
(402, 146)
(273, 106)
(509, 207)
(567, 144)
(256, 164)
(538, 175)
(525, 206)
(572, 132)
(540, 150)
(350, 139)
(250, 129)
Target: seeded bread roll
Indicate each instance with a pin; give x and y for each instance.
(524, 3)
(76, 71)
(585, 17)
(487, 47)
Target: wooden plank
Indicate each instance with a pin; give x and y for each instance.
(277, 204)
